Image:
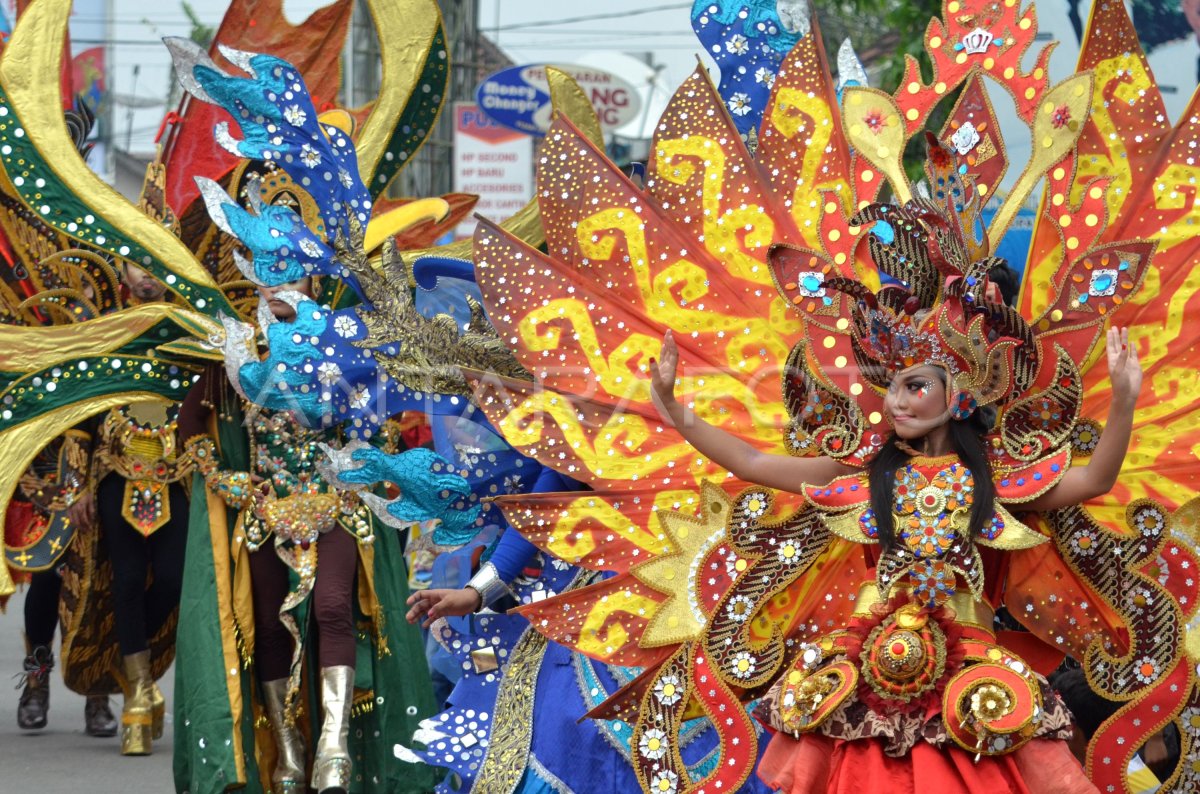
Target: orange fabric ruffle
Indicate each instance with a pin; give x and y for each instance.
(815, 764)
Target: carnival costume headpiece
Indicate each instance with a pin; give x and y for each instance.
(352, 366)
(935, 306)
(936, 312)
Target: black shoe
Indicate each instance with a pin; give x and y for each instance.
(34, 704)
(98, 717)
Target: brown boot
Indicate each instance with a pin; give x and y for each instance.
(34, 705)
(137, 717)
(98, 719)
(288, 777)
(331, 768)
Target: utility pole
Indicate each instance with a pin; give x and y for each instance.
(137, 70)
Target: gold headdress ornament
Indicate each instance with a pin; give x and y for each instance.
(934, 311)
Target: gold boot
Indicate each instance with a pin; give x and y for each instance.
(288, 776)
(159, 712)
(137, 717)
(331, 768)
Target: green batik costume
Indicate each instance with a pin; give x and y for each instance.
(222, 735)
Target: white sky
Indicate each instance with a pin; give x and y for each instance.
(529, 30)
(666, 34)
(137, 29)
(532, 30)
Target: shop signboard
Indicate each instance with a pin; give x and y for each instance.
(519, 97)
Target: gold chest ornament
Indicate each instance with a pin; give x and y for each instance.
(138, 442)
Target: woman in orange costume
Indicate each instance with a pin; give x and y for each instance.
(894, 697)
(767, 263)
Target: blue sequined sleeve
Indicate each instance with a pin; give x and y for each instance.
(513, 552)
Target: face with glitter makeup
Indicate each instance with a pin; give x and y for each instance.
(915, 402)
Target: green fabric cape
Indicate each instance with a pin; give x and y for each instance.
(222, 740)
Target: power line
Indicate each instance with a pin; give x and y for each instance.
(620, 33)
(591, 17)
(571, 45)
(95, 19)
(122, 42)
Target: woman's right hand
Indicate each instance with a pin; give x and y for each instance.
(662, 379)
(82, 512)
(434, 604)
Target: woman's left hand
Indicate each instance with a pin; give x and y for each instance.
(433, 604)
(1097, 478)
(1124, 369)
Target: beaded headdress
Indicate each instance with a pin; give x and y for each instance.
(932, 251)
(934, 310)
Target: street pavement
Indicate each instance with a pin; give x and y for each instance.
(62, 759)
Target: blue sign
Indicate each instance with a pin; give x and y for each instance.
(512, 101)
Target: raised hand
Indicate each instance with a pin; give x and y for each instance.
(1124, 369)
(1081, 483)
(662, 379)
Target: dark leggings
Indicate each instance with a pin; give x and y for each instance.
(41, 607)
(140, 611)
(332, 605)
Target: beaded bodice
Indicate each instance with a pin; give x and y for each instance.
(934, 554)
(931, 509)
(302, 504)
(284, 452)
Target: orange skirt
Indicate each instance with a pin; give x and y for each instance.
(818, 764)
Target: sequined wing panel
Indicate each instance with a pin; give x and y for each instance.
(45, 172)
(1148, 578)
(1131, 184)
(689, 254)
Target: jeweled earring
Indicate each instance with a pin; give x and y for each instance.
(964, 405)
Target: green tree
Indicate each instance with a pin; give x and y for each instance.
(201, 33)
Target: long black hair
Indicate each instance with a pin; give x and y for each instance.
(967, 441)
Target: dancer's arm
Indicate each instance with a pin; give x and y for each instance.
(236, 488)
(486, 586)
(75, 493)
(197, 405)
(1081, 483)
(781, 472)
(512, 554)
(81, 505)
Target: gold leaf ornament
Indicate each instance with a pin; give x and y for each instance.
(873, 124)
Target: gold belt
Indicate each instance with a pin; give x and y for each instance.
(970, 612)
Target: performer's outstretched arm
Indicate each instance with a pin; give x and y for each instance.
(511, 555)
(782, 472)
(1097, 478)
